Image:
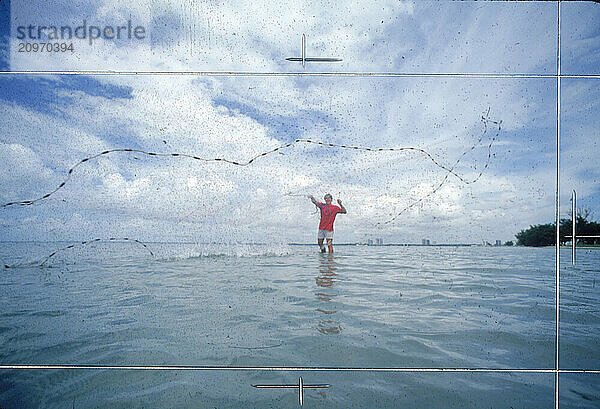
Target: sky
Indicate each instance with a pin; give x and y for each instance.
(51, 121)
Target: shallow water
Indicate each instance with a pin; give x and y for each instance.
(367, 307)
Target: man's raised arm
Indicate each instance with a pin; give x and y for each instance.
(342, 207)
(311, 197)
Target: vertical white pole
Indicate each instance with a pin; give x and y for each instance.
(573, 222)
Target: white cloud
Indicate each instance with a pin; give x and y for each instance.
(22, 172)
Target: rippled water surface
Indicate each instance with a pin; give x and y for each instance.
(368, 307)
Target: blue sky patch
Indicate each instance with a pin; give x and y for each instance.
(41, 94)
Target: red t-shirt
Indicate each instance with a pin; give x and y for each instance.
(328, 213)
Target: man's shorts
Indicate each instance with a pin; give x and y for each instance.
(325, 234)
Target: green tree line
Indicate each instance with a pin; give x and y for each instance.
(545, 234)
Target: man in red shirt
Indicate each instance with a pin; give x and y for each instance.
(328, 213)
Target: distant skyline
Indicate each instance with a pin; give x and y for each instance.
(53, 121)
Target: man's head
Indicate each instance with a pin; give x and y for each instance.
(328, 198)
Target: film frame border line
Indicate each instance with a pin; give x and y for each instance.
(292, 368)
(296, 74)
(557, 221)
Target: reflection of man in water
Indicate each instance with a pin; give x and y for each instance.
(328, 213)
(328, 324)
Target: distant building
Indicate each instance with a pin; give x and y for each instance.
(375, 242)
(425, 242)
(498, 242)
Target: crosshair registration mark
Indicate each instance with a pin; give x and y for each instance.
(300, 388)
